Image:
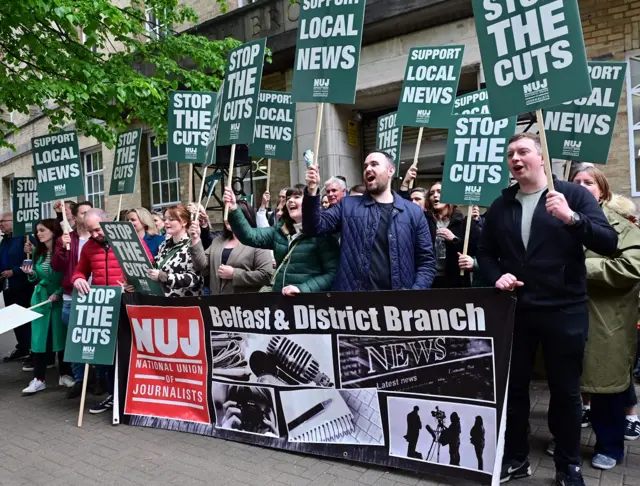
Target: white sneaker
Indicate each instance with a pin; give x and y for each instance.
(35, 386)
(66, 380)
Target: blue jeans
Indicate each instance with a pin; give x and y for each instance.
(76, 368)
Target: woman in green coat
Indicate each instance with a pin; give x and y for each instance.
(47, 332)
(612, 286)
(303, 263)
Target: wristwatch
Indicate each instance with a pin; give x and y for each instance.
(575, 219)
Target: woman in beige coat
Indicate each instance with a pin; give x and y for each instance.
(233, 268)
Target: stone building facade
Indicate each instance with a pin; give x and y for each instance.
(392, 27)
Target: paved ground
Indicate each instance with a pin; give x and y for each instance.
(40, 444)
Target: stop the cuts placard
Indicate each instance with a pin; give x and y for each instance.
(429, 86)
(241, 91)
(475, 165)
(125, 163)
(26, 206)
(582, 129)
(275, 124)
(56, 160)
(190, 114)
(389, 137)
(532, 52)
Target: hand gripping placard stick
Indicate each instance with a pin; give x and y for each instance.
(230, 178)
(467, 232)
(416, 155)
(545, 150)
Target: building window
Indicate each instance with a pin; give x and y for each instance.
(155, 29)
(94, 179)
(46, 210)
(165, 177)
(633, 110)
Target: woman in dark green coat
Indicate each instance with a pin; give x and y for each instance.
(303, 263)
(47, 332)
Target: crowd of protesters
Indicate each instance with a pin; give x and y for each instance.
(571, 255)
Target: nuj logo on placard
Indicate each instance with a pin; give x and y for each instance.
(190, 153)
(269, 149)
(60, 189)
(88, 352)
(571, 147)
(472, 193)
(321, 87)
(423, 116)
(235, 130)
(536, 91)
(28, 227)
(121, 185)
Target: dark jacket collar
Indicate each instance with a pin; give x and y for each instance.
(398, 202)
(511, 191)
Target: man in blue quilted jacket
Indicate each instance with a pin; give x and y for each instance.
(385, 242)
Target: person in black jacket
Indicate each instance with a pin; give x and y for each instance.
(533, 242)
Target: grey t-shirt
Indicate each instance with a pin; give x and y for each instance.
(529, 201)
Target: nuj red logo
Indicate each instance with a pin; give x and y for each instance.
(168, 364)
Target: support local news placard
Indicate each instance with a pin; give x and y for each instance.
(582, 129)
(475, 103)
(475, 165)
(533, 54)
(93, 326)
(26, 206)
(56, 160)
(429, 87)
(190, 114)
(389, 137)
(328, 51)
(275, 124)
(125, 163)
(241, 91)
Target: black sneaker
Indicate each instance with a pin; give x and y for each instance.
(27, 364)
(16, 355)
(104, 406)
(515, 470)
(75, 391)
(586, 417)
(572, 476)
(632, 430)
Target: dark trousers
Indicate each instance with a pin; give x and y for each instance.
(479, 450)
(630, 398)
(40, 362)
(608, 422)
(562, 335)
(22, 297)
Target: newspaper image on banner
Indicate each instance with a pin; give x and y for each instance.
(275, 125)
(475, 103)
(190, 114)
(93, 326)
(429, 86)
(475, 165)
(367, 376)
(533, 54)
(56, 160)
(241, 91)
(125, 163)
(26, 206)
(131, 255)
(389, 137)
(582, 129)
(328, 51)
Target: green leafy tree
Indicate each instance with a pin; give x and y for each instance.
(101, 65)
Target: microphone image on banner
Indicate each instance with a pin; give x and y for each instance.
(295, 364)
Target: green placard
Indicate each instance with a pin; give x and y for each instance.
(93, 326)
(131, 255)
(26, 205)
(190, 114)
(475, 103)
(56, 160)
(429, 86)
(125, 163)
(328, 51)
(210, 183)
(475, 165)
(212, 143)
(389, 137)
(582, 129)
(533, 55)
(275, 123)
(241, 90)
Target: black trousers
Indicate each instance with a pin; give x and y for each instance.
(22, 297)
(562, 335)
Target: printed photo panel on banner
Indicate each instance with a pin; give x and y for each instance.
(190, 114)
(212, 143)
(582, 129)
(26, 205)
(275, 125)
(56, 160)
(475, 103)
(532, 52)
(429, 86)
(389, 137)
(125, 163)
(475, 164)
(93, 326)
(328, 51)
(241, 92)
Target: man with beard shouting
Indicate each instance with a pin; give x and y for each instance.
(385, 242)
